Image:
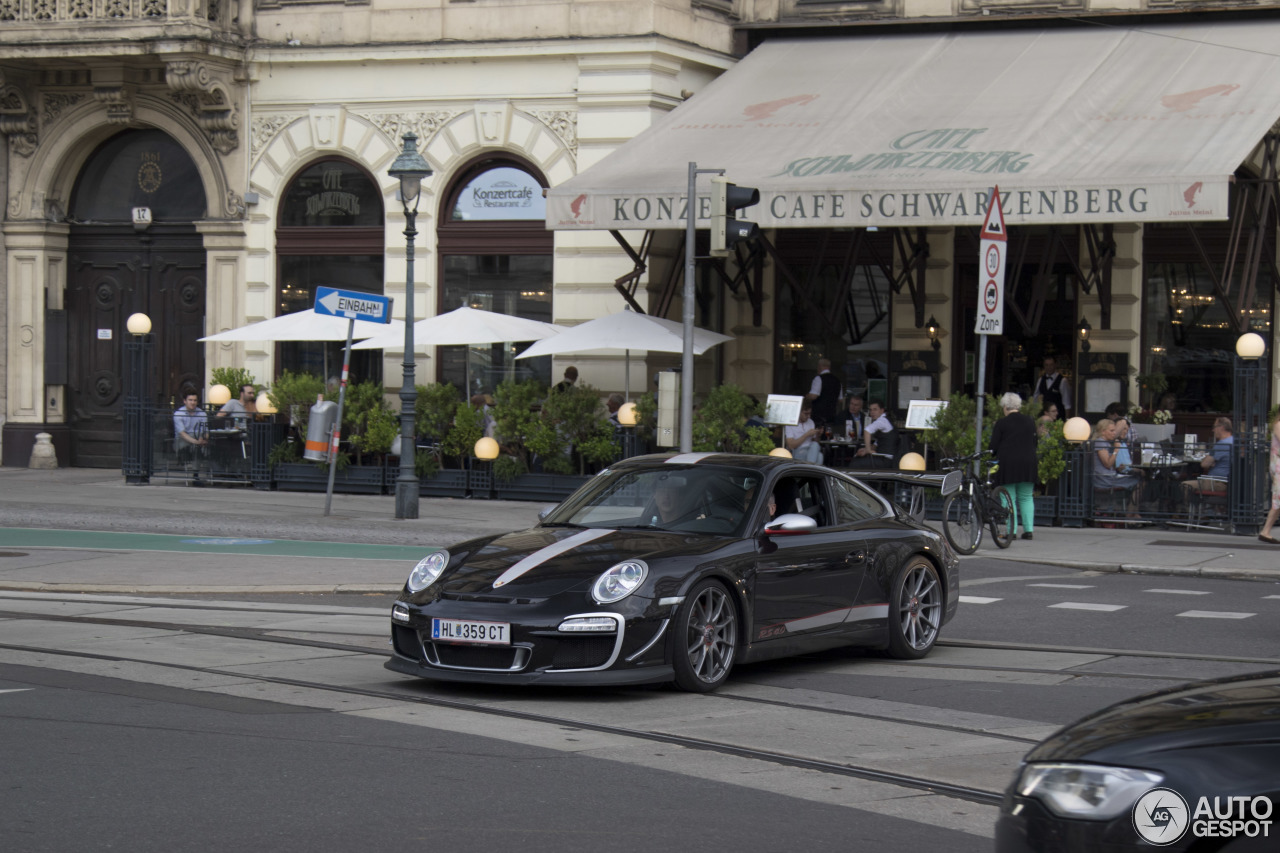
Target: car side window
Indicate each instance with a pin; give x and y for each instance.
(803, 495)
(854, 503)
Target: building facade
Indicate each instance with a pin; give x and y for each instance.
(211, 162)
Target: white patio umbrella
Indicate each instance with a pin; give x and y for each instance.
(466, 326)
(626, 330)
(305, 326)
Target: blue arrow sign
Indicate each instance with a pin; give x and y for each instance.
(353, 304)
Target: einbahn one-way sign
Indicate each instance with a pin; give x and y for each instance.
(353, 304)
(994, 241)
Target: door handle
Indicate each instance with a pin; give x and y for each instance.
(855, 557)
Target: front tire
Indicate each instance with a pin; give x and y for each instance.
(1003, 530)
(915, 610)
(960, 522)
(706, 638)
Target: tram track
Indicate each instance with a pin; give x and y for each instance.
(408, 694)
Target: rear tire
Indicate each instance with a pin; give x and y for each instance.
(1003, 530)
(960, 522)
(705, 638)
(915, 610)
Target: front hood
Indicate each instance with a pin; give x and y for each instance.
(1240, 709)
(545, 561)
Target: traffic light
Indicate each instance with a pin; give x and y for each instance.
(726, 200)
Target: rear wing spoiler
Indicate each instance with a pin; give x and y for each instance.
(946, 483)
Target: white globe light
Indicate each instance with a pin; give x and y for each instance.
(911, 462)
(780, 451)
(219, 395)
(1250, 345)
(264, 404)
(138, 324)
(1076, 429)
(627, 414)
(486, 448)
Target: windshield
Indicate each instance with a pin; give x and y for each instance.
(667, 497)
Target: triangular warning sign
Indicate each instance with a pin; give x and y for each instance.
(993, 225)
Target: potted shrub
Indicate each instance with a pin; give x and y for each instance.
(719, 424)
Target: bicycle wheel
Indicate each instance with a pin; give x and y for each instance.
(960, 522)
(1003, 520)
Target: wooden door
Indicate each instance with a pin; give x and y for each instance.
(115, 272)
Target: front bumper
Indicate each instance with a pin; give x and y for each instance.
(539, 653)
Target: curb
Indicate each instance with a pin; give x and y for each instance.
(1265, 575)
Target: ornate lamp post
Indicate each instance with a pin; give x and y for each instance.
(1248, 479)
(409, 169)
(137, 401)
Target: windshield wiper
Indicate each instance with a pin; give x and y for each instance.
(563, 524)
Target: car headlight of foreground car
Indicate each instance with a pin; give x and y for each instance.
(619, 581)
(1088, 791)
(428, 569)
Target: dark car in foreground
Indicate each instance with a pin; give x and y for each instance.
(676, 568)
(1192, 768)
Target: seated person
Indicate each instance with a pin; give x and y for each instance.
(802, 438)
(855, 419)
(1215, 467)
(880, 440)
(671, 503)
(1107, 446)
(190, 426)
(1047, 417)
(240, 409)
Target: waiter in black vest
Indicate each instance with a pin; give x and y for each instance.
(1053, 387)
(824, 394)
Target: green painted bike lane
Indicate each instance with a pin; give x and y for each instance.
(19, 537)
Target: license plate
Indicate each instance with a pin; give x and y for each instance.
(469, 631)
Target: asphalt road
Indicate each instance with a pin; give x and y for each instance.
(247, 721)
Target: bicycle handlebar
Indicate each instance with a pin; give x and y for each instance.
(959, 461)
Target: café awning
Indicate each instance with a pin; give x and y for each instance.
(1095, 124)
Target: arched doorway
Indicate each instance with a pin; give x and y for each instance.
(117, 268)
(495, 254)
(331, 233)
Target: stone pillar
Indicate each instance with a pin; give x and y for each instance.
(36, 269)
(226, 297)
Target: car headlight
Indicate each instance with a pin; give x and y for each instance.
(1089, 791)
(619, 582)
(428, 569)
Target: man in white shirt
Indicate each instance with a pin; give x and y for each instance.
(801, 438)
(1053, 387)
(880, 440)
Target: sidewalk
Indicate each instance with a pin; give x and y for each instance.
(99, 500)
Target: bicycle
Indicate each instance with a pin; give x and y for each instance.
(977, 502)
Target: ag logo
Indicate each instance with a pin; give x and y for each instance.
(1161, 816)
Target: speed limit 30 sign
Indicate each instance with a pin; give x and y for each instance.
(994, 240)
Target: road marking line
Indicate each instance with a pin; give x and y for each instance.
(1077, 605)
(1178, 591)
(1271, 596)
(977, 599)
(1215, 614)
(1064, 585)
(17, 690)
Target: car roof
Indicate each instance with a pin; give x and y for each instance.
(726, 460)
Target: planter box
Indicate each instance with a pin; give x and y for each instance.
(445, 483)
(308, 477)
(539, 487)
(1046, 510)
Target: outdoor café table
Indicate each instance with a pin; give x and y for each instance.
(1163, 478)
(839, 452)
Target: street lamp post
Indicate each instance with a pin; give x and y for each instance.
(1248, 478)
(137, 448)
(409, 169)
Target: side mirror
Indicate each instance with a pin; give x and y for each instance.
(545, 511)
(790, 524)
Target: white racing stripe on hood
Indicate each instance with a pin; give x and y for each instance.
(537, 558)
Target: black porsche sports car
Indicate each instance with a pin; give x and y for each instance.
(674, 568)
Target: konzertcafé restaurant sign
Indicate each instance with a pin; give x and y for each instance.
(1087, 125)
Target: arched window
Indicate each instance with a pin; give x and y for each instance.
(330, 234)
(495, 254)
